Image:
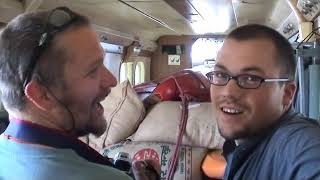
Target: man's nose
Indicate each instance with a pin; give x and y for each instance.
(108, 80)
(231, 88)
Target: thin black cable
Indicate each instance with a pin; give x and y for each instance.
(308, 37)
(296, 40)
(310, 34)
(317, 33)
(63, 105)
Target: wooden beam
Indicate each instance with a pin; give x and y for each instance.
(185, 8)
(106, 30)
(32, 5)
(124, 39)
(10, 9)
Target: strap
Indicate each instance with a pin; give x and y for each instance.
(182, 128)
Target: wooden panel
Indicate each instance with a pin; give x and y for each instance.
(169, 21)
(279, 13)
(123, 21)
(184, 7)
(254, 11)
(218, 15)
(159, 63)
(206, 16)
(10, 9)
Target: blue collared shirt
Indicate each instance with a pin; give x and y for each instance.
(290, 150)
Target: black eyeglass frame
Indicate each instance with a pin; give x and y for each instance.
(236, 78)
(50, 31)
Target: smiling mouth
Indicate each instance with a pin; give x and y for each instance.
(99, 108)
(231, 111)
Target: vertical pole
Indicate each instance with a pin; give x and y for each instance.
(302, 105)
(314, 88)
(314, 85)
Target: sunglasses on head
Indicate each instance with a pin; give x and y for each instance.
(58, 20)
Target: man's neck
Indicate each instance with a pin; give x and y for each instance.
(268, 129)
(37, 118)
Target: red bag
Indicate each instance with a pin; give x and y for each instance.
(192, 84)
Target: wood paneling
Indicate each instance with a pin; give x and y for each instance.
(159, 63)
(184, 7)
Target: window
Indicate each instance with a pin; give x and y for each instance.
(204, 52)
(204, 49)
(126, 72)
(112, 59)
(139, 74)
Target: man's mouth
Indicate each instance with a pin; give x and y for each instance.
(99, 108)
(98, 105)
(231, 111)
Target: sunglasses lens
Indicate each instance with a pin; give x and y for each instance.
(59, 18)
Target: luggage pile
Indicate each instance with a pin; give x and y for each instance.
(171, 122)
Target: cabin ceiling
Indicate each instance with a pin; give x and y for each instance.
(147, 20)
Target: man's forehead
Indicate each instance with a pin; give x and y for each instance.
(82, 41)
(83, 49)
(246, 55)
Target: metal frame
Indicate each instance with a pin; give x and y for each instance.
(306, 51)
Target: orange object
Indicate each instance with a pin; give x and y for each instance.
(214, 165)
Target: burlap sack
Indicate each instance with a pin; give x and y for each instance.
(189, 162)
(123, 111)
(162, 125)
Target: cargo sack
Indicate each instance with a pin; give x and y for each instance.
(162, 125)
(123, 111)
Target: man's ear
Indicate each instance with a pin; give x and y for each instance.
(289, 93)
(38, 95)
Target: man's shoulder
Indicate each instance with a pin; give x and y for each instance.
(299, 132)
(80, 168)
(299, 126)
(50, 162)
(94, 170)
(295, 146)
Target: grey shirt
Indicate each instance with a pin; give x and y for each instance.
(19, 161)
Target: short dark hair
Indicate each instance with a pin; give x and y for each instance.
(285, 52)
(17, 43)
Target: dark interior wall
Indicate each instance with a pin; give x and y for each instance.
(159, 63)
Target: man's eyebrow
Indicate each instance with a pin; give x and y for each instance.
(98, 61)
(95, 63)
(253, 68)
(219, 66)
(247, 69)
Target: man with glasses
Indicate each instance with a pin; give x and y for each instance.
(252, 92)
(52, 80)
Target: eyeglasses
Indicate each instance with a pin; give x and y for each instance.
(58, 20)
(245, 81)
